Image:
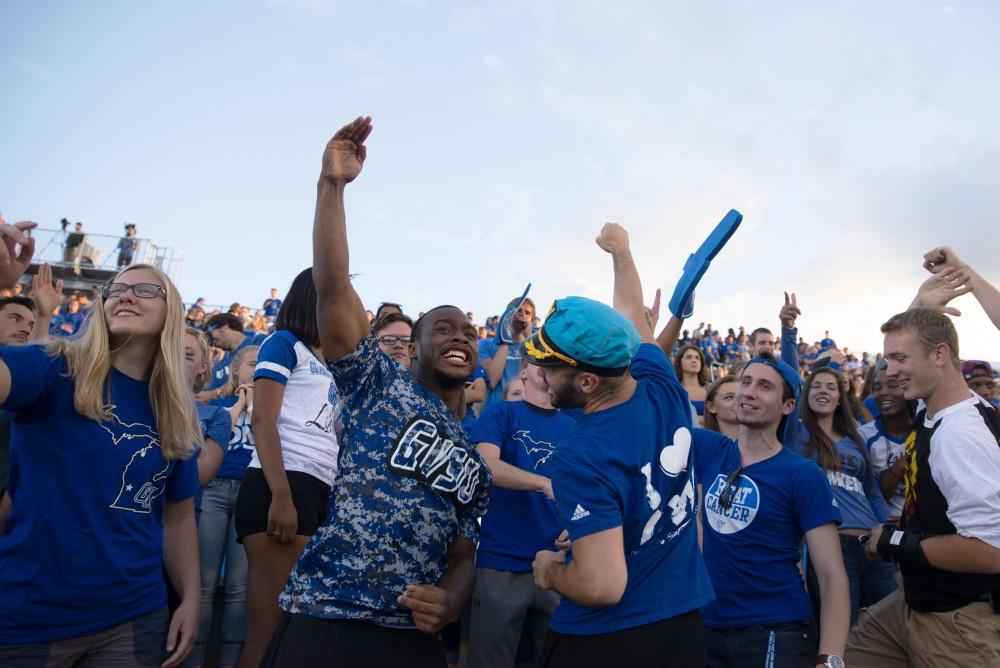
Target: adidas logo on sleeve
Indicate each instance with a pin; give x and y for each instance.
(580, 513)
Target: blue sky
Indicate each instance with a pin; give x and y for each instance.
(853, 136)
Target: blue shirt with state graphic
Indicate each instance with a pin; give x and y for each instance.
(238, 446)
(520, 522)
(753, 547)
(630, 466)
(82, 549)
(410, 484)
(855, 486)
(512, 368)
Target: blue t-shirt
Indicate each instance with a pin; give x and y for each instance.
(215, 424)
(238, 445)
(271, 307)
(733, 352)
(872, 407)
(220, 370)
(753, 548)
(630, 466)
(73, 320)
(409, 485)
(520, 522)
(511, 370)
(855, 488)
(82, 550)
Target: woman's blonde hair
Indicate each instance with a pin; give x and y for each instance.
(201, 380)
(238, 359)
(88, 357)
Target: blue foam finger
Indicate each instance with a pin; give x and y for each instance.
(503, 333)
(682, 301)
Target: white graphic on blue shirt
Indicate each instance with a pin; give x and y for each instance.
(673, 460)
(538, 451)
(742, 511)
(242, 436)
(138, 488)
(421, 453)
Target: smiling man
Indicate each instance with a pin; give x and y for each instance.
(393, 563)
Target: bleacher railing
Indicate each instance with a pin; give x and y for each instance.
(101, 251)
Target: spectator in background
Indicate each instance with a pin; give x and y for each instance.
(694, 374)
(392, 330)
(73, 244)
(385, 308)
(127, 246)
(720, 407)
(886, 435)
(226, 333)
(502, 361)
(72, 319)
(272, 305)
(761, 341)
(17, 320)
(979, 377)
(259, 323)
(827, 343)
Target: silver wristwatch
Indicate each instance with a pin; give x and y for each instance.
(830, 661)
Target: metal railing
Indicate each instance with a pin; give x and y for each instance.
(101, 252)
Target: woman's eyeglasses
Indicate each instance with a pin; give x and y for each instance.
(391, 340)
(728, 493)
(140, 290)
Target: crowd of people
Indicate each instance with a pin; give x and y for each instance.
(313, 483)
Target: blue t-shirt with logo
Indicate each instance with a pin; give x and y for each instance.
(752, 549)
(520, 522)
(855, 487)
(630, 466)
(82, 549)
(512, 368)
(238, 445)
(409, 485)
(271, 307)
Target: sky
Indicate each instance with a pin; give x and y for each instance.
(853, 136)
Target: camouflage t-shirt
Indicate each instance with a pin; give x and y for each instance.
(410, 483)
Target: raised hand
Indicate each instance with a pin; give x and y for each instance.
(47, 297)
(941, 288)
(14, 261)
(345, 153)
(789, 312)
(613, 238)
(653, 312)
(937, 259)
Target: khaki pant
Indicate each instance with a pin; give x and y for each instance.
(890, 635)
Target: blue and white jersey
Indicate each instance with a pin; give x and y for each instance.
(883, 452)
(511, 370)
(310, 410)
(410, 484)
(82, 550)
(630, 466)
(520, 522)
(855, 488)
(753, 547)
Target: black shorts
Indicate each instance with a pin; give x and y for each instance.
(301, 641)
(309, 494)
(676, 642)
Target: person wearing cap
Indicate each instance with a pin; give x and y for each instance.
(502, 361)
(623, 484)
(761, 501)
(979, 377)
(394, 560)
(947, 541)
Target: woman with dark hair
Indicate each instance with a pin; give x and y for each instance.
(284, 495)
(885, 436)
(828, 434)
(720, 407)
(690, 367)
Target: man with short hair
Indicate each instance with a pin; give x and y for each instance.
(17, 320)
(272, 304)
(947, 543)
(74, 243)
(978, 376)
(624, 486)
(516, 439)
(502, 361)
(225, 331)
(761, 342)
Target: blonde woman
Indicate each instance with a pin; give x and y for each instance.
(216, 528)
(214, 420)
(102, 481)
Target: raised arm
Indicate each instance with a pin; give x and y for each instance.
(789, 333)
(628, 288)
(943, 259)
(47, 297)
(340, 314)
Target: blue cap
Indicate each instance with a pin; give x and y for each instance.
(584, 334)
(787, 373)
